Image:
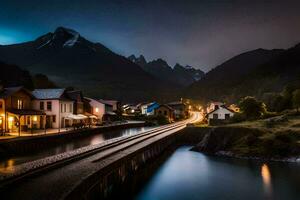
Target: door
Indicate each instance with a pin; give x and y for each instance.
(227, 116)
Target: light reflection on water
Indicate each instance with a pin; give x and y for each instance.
(7, 165)
(266, 177)
(188, 175)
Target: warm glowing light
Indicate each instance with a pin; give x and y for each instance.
(11, 119)
(96, 110)
(132, 111)
(266, 177)
(0, 120)
(34, 118)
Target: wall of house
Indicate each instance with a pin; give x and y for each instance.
(11, 102)
(54, 112)
(66, 109)
(98, 109)
(221, 113)
(165, 112)
(2, 114)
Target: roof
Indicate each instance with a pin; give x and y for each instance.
(223, 106)
(25, 112)
(104, 102)
(11, 90)
(175, 103)
(166, 106)
(48, 93)
(75, 95)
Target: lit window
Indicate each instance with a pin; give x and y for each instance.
(96, 110)
(20, 104)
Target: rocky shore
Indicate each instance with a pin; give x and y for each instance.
(250, 143)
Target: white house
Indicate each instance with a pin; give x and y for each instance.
(57, 106)
(97, 108)
(219, 113)
(213, 106)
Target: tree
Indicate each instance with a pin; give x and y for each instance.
(296, 99)
(252, 108)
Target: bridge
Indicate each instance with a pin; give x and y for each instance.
(82, 173)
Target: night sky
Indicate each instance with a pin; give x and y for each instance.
(199, 33)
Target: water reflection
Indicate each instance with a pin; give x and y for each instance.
(188, 175)
(7, 165)
(266, 177)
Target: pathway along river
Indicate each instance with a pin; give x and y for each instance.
(7, 164)
(188, 175)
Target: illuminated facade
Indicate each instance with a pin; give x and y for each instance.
(16, 112)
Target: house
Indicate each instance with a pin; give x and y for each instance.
(17, 113)
(166, 111)
(180, 109)
(78, 101)
(109, 114)
(213, 106)
(149, 108)
(56, 104)
(101, 109)
(219, 115)
(130, 109)
(116, 105)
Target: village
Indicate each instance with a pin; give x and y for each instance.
(42, 111)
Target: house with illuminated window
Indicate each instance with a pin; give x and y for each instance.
(97, 108)
(57, 106)
(17, 113)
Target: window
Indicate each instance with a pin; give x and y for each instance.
(159, 112)
(165, 113)
(20, 104)
(70, 107)
(54, 118)
(28, 120)
(41, 105)
(65, 107)
(61, 108)
(49, 105)
(1, 106)
(215, 116)
(227, 116)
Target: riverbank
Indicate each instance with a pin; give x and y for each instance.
(276, 139)
(24, 145)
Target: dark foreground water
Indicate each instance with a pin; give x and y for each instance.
(188, 175)
(7, 164)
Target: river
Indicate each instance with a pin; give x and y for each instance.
(188, 175)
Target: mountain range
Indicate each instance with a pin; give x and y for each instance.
(69, 59)
(254, 73)
(178, 75)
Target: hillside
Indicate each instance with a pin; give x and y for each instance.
(71, 60)
(251, 73)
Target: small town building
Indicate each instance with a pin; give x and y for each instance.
(213, 106)
(149, 108)
(116, 105)
(57, 105)
(180, 109)
(219, 115)
(166, 111)
(17, 113)
(97, 108)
